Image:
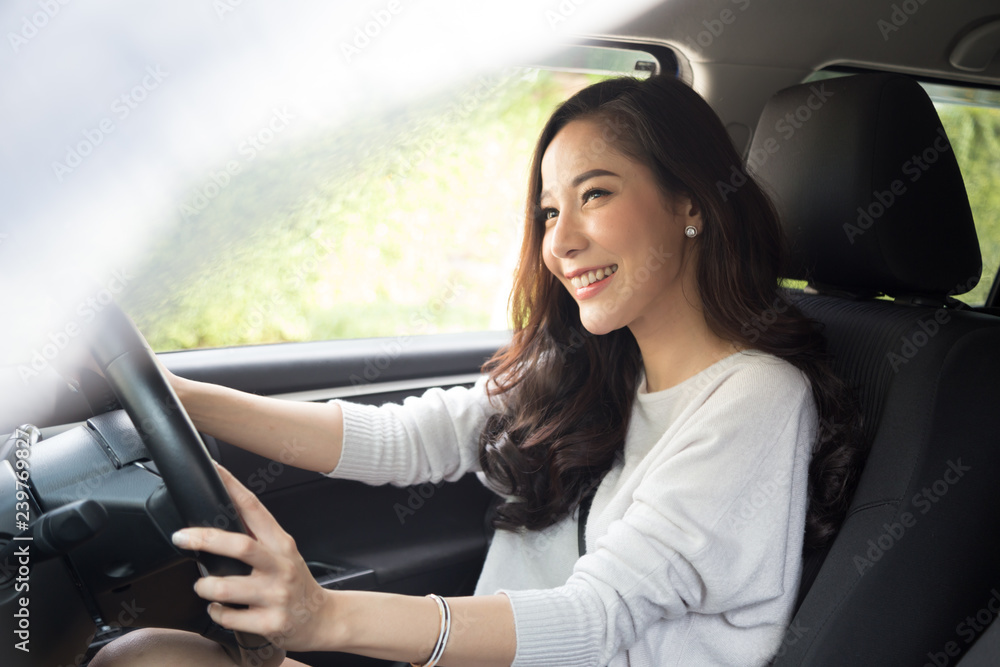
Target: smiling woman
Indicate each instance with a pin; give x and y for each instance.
(612, 203)
(591, 201)
(631, 381)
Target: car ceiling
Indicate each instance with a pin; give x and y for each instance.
(770, 45)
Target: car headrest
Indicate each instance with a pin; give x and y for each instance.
(867, 187)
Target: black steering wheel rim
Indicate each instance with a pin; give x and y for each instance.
(176, 447)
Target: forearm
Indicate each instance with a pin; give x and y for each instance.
(305, 435)
(402, 627)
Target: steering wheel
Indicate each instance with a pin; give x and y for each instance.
(126, 360)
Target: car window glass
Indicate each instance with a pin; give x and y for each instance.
(971, 118)
(406, 222)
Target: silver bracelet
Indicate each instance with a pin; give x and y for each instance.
(442, 642)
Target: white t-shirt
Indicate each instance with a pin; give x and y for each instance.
(694, 538)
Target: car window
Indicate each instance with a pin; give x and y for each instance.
(971, 118)
(405, 222)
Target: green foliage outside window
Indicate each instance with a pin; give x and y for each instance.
(402, 223)
(974, 133)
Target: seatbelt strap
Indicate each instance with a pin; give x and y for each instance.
(582, 521)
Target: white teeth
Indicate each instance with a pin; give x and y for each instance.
(591, 277)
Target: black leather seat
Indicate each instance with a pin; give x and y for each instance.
(873, 202)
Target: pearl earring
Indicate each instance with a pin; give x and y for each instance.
(691, 231)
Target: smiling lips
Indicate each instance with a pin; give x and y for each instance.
(590, 277)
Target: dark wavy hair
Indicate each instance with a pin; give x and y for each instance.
(568, 394)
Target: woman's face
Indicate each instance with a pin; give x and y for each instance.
(606, 219)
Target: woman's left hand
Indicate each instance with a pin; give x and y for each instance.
(284, 602)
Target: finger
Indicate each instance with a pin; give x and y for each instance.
(224, 543)
(247, 590)
(255, 515)
(258, 620)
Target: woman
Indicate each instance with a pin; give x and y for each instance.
(653, 359)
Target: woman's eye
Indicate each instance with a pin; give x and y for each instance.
(593, 193)
(549, 213)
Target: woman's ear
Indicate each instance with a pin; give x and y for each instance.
(685, 206)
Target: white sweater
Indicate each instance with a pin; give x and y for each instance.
(694, 537)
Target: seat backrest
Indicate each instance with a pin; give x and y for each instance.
(873, 202)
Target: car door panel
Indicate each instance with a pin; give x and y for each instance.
(408, 540)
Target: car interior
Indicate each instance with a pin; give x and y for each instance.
(834, 108)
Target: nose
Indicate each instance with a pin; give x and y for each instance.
(566, 236)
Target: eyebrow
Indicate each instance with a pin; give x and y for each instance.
(585, 176)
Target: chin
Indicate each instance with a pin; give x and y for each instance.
(598, 327)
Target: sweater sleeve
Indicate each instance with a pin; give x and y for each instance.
(426, 439)
(687, 543)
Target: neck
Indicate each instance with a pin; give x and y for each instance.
(678, 346)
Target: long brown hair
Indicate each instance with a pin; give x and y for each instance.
(568, 394)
